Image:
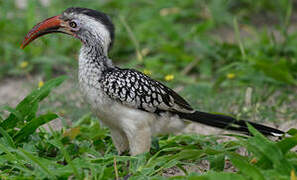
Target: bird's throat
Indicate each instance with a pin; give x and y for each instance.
(92, 63)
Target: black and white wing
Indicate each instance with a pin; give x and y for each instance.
(134, 89)
(137, 90)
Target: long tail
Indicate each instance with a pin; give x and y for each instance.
(228, 123)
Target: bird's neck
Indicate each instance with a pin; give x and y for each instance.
(93, 60)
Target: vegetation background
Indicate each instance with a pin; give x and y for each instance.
(229, 56)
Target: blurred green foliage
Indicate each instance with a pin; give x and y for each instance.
(165, 37)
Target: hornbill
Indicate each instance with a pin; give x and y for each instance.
(134, 106)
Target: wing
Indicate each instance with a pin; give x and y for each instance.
(134, 89)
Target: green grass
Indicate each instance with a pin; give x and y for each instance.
(214, 64)
(86, 151)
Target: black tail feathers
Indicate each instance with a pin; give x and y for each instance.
(228, 123)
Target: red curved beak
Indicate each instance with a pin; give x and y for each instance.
(50, 25)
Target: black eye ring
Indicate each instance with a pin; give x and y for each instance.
(72, 24)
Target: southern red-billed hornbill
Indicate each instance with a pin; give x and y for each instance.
(131, 104)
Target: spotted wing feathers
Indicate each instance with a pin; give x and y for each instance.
(137, 90)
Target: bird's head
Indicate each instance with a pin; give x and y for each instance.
(92, 27)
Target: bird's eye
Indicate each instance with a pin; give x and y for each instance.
(72, 24)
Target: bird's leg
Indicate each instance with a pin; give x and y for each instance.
(120, 140)
(139, 139)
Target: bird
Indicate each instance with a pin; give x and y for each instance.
(132, 105)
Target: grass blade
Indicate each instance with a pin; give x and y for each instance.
(25, 106)
(246, 168)
(13, 112)
(268, 150)
(35, 160)
(13, 159)
(10, 155)
(288, 143)
(65, 153)
(7, 138)
(217, 162)
(237, 35)
(217, 175)
(31, 126)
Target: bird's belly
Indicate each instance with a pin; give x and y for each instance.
(109, 111)
(116, 115)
